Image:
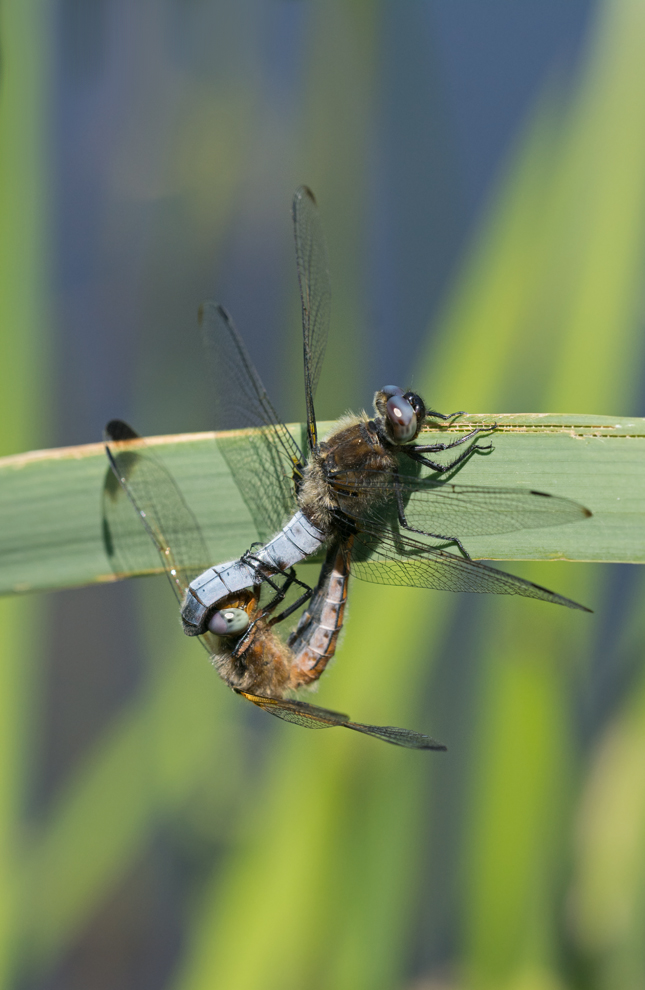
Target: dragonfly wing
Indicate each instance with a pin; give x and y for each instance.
(311, 717)
(315, 293)
(265, 459)
(127, 543)
(138, 478)
(473, 510)
(396, 736)
(394, 559)
(299, 712)
(455, 510)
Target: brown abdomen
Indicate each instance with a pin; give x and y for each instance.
(313, 642)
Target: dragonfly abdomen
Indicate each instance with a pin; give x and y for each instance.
(314, 640)
(299, 539)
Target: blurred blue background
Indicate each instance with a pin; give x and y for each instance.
(480, 171)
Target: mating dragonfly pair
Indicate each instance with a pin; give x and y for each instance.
(360, 494)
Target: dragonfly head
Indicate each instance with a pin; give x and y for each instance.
(229, 622)
(401, 413)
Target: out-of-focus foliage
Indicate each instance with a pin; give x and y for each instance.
(514, 861)
(23, 339)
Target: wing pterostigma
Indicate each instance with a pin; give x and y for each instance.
(139, 481)
(443, 507)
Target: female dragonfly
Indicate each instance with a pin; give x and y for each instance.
(242, 641)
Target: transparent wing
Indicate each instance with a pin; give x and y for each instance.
(315, 293)
(396, 736)
(449, 509)
(299, 712)
(311, 717)
(127, 543)
(394, 559)
(263, 461)
(138, 480)
(471, 510)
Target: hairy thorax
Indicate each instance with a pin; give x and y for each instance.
(259, 662)
(264, 667)
(341, 471)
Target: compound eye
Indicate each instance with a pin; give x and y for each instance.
(391, 390)
(229, 622)
(402, 419)
(417, 404)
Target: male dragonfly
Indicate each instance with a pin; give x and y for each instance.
(363, 480)
(242, 641)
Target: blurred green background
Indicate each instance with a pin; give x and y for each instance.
(480, 170)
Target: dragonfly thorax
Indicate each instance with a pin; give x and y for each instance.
(354, 454)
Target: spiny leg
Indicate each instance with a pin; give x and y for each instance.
(433, 447)
(304, 597)
(280, 590)
(445, 416)
(412, 529)
(415, 456)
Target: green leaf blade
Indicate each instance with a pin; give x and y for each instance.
(50, 501)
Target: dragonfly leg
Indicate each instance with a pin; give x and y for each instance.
(433, 447)
(244, 639)
(292, 579)
(413, 453)
(445, 416)
(412, 529)
(280, 593)
(304, 597)
(265, 578)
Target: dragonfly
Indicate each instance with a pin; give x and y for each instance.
(365, 479)
(242, 641)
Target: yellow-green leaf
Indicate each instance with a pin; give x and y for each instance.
(50, 501)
